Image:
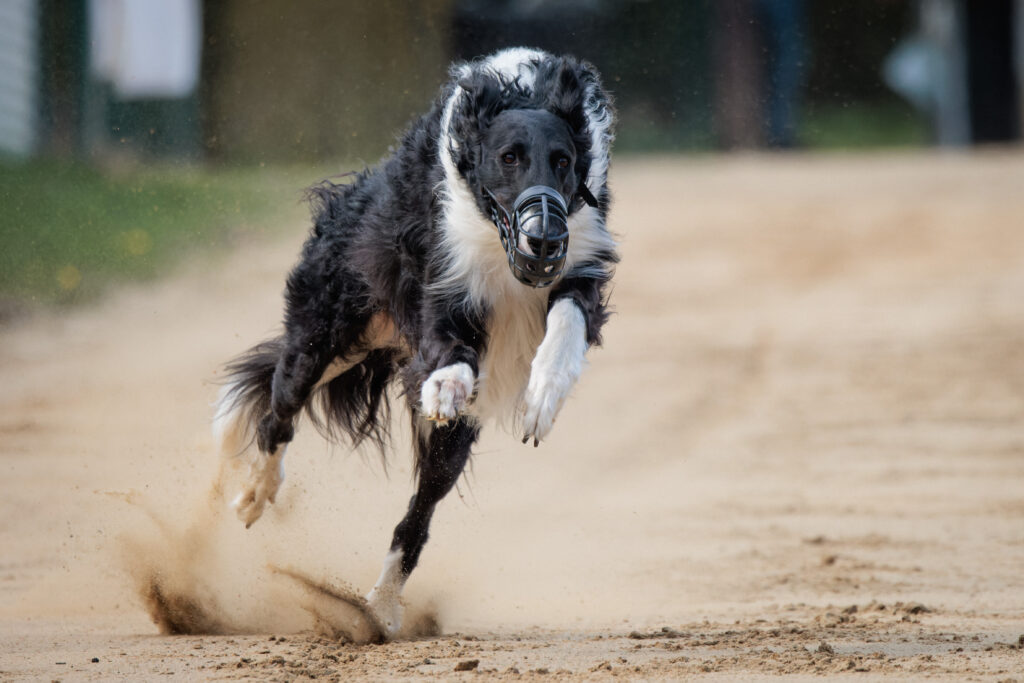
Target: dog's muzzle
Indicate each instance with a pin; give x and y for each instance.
(535, 234)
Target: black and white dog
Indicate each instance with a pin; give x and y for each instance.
(472, 266)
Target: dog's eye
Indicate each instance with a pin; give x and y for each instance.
(508, 158)
(563, 162)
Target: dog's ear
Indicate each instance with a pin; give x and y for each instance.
(573, 92)
(565, 95)
(481, 99)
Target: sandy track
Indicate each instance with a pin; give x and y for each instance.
(801, 452)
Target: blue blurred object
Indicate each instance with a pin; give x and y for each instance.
(785, 38)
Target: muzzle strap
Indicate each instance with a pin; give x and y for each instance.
(586, 195)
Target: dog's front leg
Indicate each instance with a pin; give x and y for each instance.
(555, 369)
(448, 357)
(441, 454)
(577, 312)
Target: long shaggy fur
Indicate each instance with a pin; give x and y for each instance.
(355, 403)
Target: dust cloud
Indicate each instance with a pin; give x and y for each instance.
(195, 578)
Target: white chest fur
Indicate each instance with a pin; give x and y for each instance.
(515, 330)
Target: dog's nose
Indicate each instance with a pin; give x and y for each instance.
(530, 245)
(534, 246)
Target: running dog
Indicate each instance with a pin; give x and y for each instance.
(471, 267)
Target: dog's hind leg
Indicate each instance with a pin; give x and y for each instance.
(233, 431)
(441, 452)
(299, 368)
(271, 383)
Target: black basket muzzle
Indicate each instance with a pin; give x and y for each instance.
(535, 235)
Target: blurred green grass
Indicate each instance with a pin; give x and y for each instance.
(67, 231)
(863, 126)
(826, 127)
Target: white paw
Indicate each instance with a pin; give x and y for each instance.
(386, 609)
(265, 476)
(545, 395)
(446, 392)
(383, 599)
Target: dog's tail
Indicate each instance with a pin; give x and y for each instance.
(244, 397)
(353, 404)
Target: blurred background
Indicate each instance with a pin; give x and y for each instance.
(131, 130)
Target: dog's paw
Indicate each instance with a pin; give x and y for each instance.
(386, 609)
(384, 600)
(265, 476)
(545, 396)
(446, 392)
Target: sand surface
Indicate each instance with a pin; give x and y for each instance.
(800, 453)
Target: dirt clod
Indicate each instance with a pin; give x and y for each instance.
(467, 665)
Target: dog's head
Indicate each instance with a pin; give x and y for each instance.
(523, 142)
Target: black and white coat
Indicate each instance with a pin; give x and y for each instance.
(404, 278)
